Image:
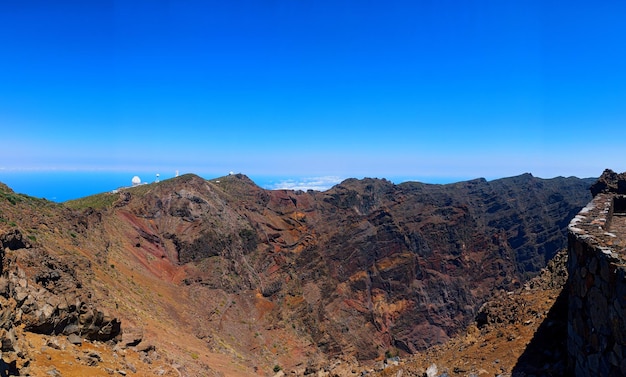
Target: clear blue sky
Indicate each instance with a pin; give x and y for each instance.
(314, 88)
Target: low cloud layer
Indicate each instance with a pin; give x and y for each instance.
(307, 183)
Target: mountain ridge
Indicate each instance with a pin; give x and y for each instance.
(364, 268)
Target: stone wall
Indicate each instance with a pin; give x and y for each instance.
(597, 288)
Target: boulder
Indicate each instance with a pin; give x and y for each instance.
(131, 337)
(74, 339)
(609, 181)
(13, 240)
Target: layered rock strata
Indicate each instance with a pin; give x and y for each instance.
(364, 267)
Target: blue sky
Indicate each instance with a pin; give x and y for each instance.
(431, 90)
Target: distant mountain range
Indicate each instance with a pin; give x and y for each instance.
(200, 271)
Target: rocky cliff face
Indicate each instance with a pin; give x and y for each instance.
(362, 269)
(42, 292)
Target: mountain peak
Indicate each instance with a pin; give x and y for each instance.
(355, 271)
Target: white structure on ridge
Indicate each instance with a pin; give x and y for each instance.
(157, 178)
(136, 181)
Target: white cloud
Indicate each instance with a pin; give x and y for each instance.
(307, 183)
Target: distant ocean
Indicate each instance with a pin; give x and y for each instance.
(60, 186)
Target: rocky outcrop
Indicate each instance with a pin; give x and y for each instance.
(41, 294)
(610, 182)
(13, 240)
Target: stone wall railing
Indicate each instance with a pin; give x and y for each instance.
(597, 289)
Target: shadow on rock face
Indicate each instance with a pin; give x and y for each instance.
(546, 354)
(8, 369)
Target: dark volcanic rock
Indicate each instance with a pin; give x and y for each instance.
(14, 240)
(376, 265)
(417, 260)
(42, 294)
(49, 299)
(609, 181)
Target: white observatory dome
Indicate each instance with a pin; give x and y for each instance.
(136, 180)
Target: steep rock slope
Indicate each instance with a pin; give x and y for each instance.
(364, 267)
(203, 268)
(47, 297)
(516, 333)
(410, 263)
